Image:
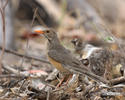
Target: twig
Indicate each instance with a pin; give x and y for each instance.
(88, 88)
(21, 85)
(48, 94)
(118, 86)
(14, 71)
(117, 81)
(52, 75)
(10, 75)
(40, 20)
(34, 16)
(2, 11)
(111, 94)
(26, 56)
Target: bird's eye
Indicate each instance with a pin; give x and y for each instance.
(47, 31)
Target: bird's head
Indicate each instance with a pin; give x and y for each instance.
(48, 33)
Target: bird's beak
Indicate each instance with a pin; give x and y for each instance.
(39, 31)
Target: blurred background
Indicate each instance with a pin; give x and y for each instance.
(90, 20)
(94, 24)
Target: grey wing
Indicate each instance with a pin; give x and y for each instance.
(64, 58)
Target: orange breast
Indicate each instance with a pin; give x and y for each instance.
(58, 66)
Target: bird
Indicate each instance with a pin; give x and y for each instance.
(62, 59)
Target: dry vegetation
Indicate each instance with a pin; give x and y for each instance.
(93, 32)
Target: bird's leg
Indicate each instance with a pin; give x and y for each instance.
(70, 76)
(63, 79)
(67, 79)
(60, 82)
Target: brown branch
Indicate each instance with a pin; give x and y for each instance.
(117, 81)
(25, 56)
(12, 70)
(10, 76)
